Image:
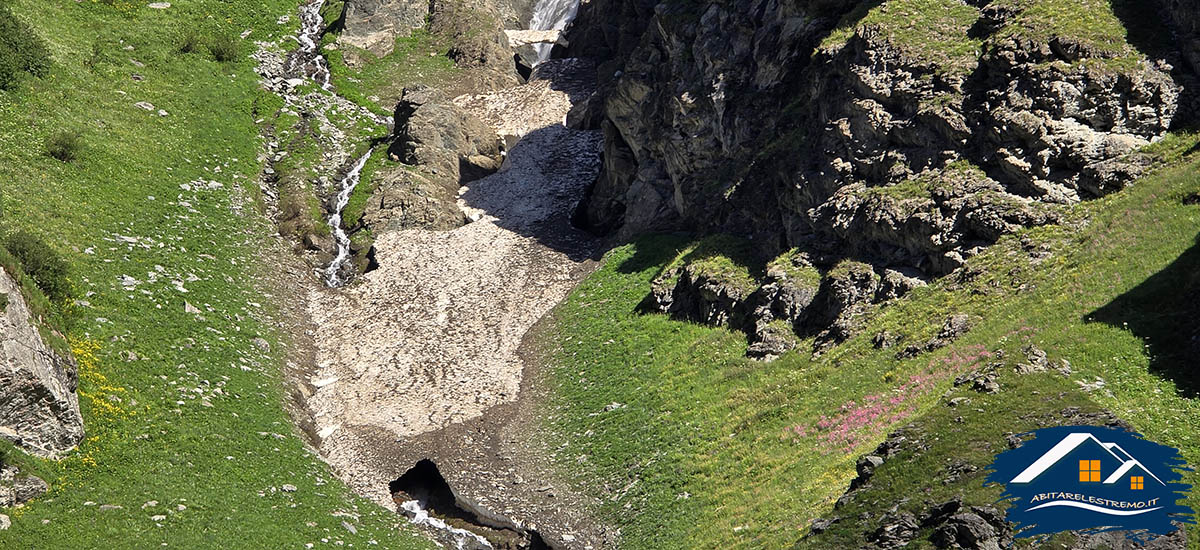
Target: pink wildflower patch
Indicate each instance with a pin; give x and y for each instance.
(865, 419)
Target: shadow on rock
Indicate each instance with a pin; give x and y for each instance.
(544, 177)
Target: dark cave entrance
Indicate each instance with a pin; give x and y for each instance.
(425, 484)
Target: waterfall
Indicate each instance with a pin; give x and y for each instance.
(307, 58)
(333, 276)
(551, 15)
(463, 539)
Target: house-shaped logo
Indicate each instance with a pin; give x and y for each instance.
(1099, 462)
(1090, 478)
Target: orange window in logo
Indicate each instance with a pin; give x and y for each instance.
(1136, 482)
(1089, 471)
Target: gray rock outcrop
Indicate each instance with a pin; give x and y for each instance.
(16, 489)
(440, 147)
(905, 143)
(373, 25)
(39, 410)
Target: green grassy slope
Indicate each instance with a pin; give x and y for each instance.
(711, 450)
(192, 423)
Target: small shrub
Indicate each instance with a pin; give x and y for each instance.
(190, 42)
(43, 264)
(63, 145)
(3, 302)
(224, 47)
(21, 51)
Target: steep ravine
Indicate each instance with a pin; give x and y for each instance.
(416, 366)
(431, 338)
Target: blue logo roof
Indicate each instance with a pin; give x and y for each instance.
(1092, 479)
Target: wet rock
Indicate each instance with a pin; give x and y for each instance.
(39, 410)
(315, 242)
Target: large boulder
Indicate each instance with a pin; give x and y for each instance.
(39, 410)
(373, 25)
(438, 147)
(443, 138)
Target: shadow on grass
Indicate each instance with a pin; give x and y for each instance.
(1163, 311)
(654, 250)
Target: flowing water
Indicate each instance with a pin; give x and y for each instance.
(551, 15)
(462, 538)
(307, 59)
(333, 276)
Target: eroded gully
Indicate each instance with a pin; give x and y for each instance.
(423, 360)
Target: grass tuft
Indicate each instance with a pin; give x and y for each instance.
(190, 42)
(64, 145)
(224, 47)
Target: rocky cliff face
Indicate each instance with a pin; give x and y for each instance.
(906, 135)
(38, 407)
(1184, 16)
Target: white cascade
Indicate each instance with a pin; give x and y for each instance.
(551, 15)
(333, 276)
(463, 539)
(307, 57)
